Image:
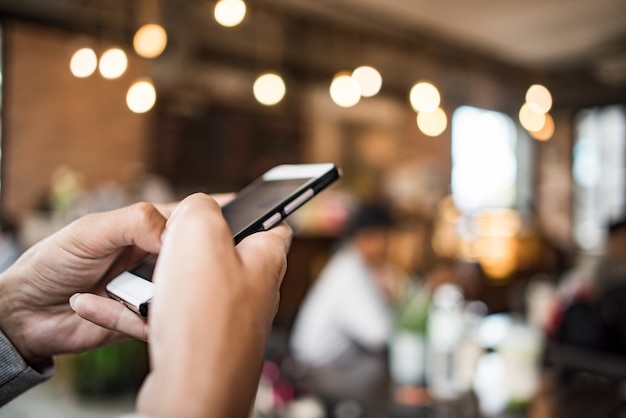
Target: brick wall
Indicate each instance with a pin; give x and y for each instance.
(51, 118)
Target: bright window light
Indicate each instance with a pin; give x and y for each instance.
(484, 164)
(599, 161)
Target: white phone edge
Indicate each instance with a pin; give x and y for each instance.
(131, 290)
(295, 171)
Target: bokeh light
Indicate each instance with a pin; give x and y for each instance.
(150, 40)
(369, 79)
(230, 13)
(540, 96)
(83, 63)
(546, 132)
(424, 97)
(141, 96)
(344, 90)
(531, 117)
(113, 63)
(432, 123)
(269, 89)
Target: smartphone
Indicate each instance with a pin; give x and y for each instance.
(257, 207)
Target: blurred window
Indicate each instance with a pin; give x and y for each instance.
(484, 160)
(599, 171)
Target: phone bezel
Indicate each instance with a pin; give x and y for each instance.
(320, 175)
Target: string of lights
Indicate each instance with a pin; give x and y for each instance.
(269, 89)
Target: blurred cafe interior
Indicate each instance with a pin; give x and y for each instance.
(493, 131)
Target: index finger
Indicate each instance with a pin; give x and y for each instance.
(99, 234)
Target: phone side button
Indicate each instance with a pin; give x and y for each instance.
(298, 201)
(273, 220)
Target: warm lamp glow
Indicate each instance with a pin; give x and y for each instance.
(369, 79)
(546, 132)
(344, 90)
(540, 96)
(83, 63)
(531, 117)
(230, 13)
(269, 89)
(150, 40)
(424, 97)
(432, 123)
(141, 96)
(113, 63)
(500, 223)
(496, 246)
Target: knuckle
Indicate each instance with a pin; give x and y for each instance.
(145, 213)
(143, 209)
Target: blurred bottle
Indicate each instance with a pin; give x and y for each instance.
(407, 348)
(508, 373)
(521, 351)
(446, 330)
(469, 350)
(490, 377)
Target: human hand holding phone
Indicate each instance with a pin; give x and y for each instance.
(257, 207)
(211, 314)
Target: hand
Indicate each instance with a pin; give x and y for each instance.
(82, 257)
(211, 314)
(103, 311)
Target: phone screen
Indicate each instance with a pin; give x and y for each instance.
(253, 202)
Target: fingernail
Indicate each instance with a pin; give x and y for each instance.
(73, 299)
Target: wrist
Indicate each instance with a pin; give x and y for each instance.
(12, 323)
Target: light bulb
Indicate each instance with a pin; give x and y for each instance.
(369, 79)
(540, 96)
(546, 132)
(83, 63)
(150, 40)
(424, 97)
(230, 13)
(113, 63)
(432, 123)
(269, 89)
(141, 96)
(344, 91)
(531, 117)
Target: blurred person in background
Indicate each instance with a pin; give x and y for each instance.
(345, 321)
(610, 282)
(611, 271)
(595, 317)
